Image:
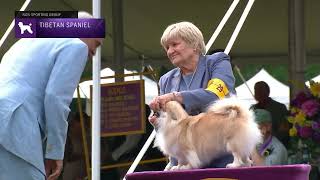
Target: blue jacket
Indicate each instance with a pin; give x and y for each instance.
(213, 80)
(37, 81)
(214, 68)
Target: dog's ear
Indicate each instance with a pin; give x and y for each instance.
(175, 110)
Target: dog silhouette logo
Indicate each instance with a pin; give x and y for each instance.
(25, 27)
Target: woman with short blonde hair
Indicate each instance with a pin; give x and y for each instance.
(187, 32)
(198, 79)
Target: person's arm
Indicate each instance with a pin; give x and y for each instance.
(161, 85)
(257, 159)
(154, 104)
(65, 76)
(159, 102)
(220, 84)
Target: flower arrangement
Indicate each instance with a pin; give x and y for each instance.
(305, 119)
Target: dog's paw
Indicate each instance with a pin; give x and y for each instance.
(233, 165)
(168, 167)
(185, 167)
(180, 167)
(249, 163)
(174, 168)
(246, 165)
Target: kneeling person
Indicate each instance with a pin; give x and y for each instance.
(271, 151)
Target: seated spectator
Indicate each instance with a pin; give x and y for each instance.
(278, 111)
(271, 151)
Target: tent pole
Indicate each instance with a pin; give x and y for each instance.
(117, 31)
(96, 97)
(221, 24)
(6, 34)
(239, 26)
(235, 35)
(243, 79)
(296, 46)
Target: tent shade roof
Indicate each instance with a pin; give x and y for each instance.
(278, 91)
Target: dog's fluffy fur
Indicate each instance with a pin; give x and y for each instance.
(227, 126)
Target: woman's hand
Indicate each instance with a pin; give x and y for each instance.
(159, 102)
(153, 120)
(256, 158)
(154, 104)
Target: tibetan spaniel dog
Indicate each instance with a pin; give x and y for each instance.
(226, 126)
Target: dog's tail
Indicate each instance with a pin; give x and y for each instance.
(232, 107)
(235, 110)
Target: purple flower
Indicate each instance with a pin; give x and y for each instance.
(310, 107)
(315, 125)
(300, 99)
(305, 132)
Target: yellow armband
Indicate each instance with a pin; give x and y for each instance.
(218, 87)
